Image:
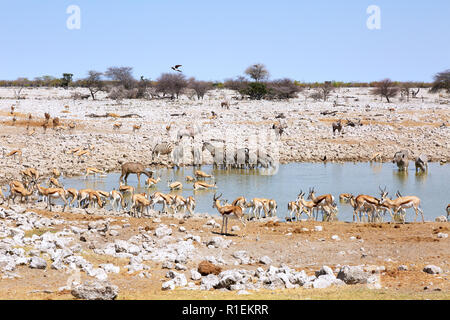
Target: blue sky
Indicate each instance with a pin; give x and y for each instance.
(214, 40)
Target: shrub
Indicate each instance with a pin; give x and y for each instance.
(386, 88)
(282, 89)
(441, 81)
(255, 90)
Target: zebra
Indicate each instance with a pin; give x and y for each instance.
(178, 155)
(197, 156)
(162, 148)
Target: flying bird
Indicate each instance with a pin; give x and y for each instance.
(175, 68)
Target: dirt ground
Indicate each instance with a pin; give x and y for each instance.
(390, 245)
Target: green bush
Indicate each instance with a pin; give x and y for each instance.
(255, 90)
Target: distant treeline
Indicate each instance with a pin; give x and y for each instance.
(119, 83)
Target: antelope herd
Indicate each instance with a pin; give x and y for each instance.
(138, 204)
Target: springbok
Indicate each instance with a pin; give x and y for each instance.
(19, 191)
(190, 204)
(321, 201)
(164, 199)
(50, 193)
(71, 195)
(363, 203)
(151, 182)
(402, 203)
(308, 206)
(92, 171)
(56, 173)
(200, 174)
(139, 202)
(226, 212)
(174, 185)
(240, 202)
(189, 179)
(54, 182)
(293, 209)
(256, 205)
(115, 198)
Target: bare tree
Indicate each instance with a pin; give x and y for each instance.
(93, 82)
(325, 90)
(123, 75)
(441, 81)
(173, 84)
(200, 87)
(386, 88)
(257, 72)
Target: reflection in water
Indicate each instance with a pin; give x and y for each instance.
(402, 176)
(334, 178)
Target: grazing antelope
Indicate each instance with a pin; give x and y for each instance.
(19, 191)
(87, 195)
(117, 126)
(256, 205)
(200, 174)
(293, 207)
(31, 173)
(272, 205)
(164, 199)
(92, 171)
(307, 206)
(49, 193)
(126, 190)
(71, 195)
(55, 182)
(56, 173)
(82, 153)
(104, 196)
(150, 182)
(115, 198)
(240, 202)
(226, 212)
(190, 204)
(363, 203)
(14, 154)
(225, 104)
(402, 203)
(344, 197)
(321, 201)
(178, 203)
(199, 185)
(139, 201)
(190, 179)
(174, 185)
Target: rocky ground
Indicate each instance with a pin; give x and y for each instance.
(55, 255)
(420, 125)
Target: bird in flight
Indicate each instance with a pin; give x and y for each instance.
(175, 68)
